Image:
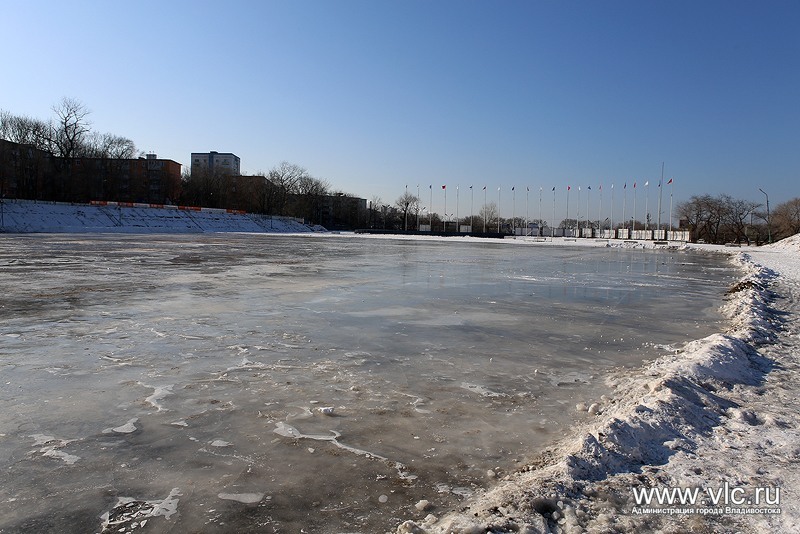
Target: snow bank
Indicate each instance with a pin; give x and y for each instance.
(24, 216)
(670, 424)
(790, 244)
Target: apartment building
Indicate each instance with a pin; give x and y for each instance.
(216, 162)
(30, 173)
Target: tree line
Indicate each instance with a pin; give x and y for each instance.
(287, 189)
(408, 214)
(712, 219)
(723, 219)
(48, 168)
(67, 134)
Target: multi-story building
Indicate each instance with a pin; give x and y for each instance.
(147, 179)
(30, 173)
(223, 163)
(24, 170)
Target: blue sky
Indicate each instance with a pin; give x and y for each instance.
(376, 95)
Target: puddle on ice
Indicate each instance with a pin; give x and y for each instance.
(329, 384)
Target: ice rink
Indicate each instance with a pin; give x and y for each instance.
(232, 382)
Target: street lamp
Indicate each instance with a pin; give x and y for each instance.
(769, 229)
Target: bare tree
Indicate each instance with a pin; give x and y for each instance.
(286, 178)
(489, 214)
(308, 185)
(108, 146)
(718, 219)
(308, 196)
(373, 211)
(405, 203)
(24, 130)
(736, 215)
(204, 188)
(692, 213)
(786, 218)
(69, 128)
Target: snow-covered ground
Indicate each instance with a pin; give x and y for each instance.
(25, 216)
(720, 415)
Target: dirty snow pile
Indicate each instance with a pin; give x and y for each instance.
(718, 415)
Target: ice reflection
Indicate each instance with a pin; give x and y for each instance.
(218, 383)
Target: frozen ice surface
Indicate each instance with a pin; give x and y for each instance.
(717, 413)
(407, 366)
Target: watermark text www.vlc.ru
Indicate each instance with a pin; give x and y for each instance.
(726, 499)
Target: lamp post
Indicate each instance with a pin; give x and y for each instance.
(769, 230)
(417, 202)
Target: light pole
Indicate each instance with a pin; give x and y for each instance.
(769, 230)
(405, 212)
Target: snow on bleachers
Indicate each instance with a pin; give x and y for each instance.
(24, 216)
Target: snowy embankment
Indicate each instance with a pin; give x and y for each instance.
(25, 216)
(718, 414)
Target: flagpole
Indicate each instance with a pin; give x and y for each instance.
(611, 225)
(513, 210)
(624, 201)
(458, 224)
(613, 233)
(471, 206)
(484, 209)
(599, 210)
(567, 216)
(634, 206)
(659, 198)
(498, 210)
(646, 203)
(444, 188)
(405, 212)
(540, 212)
(527, 208)
(588, 192)
(578, 213)
(671, 185)
(417, 207)
(553, 225)
(430, 209)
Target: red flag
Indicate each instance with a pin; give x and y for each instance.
(444, 187)
(569, 187)
(670, 181)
